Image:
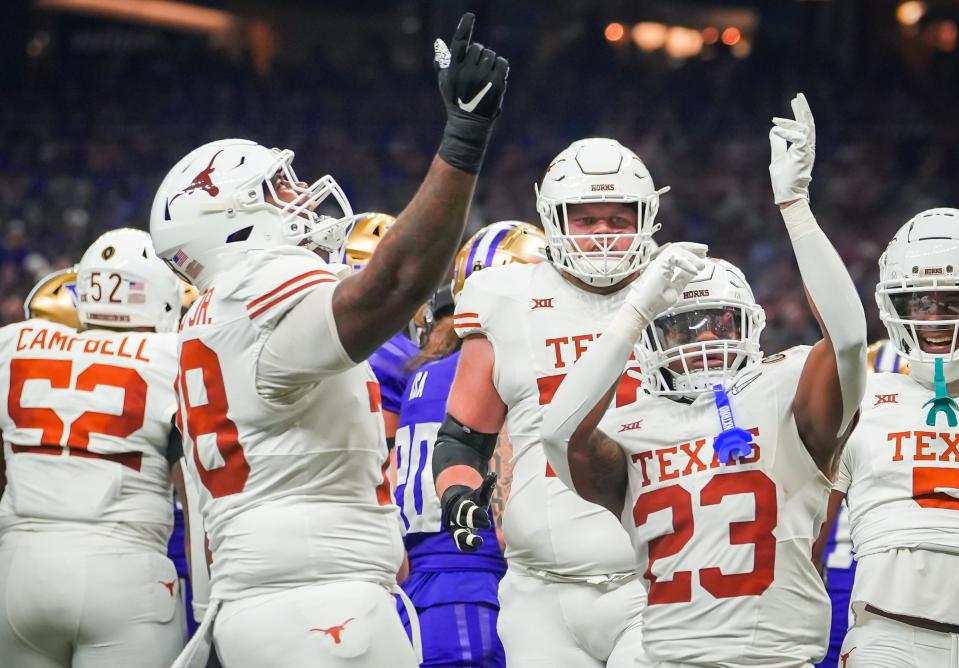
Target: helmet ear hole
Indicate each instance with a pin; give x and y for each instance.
(240, 235)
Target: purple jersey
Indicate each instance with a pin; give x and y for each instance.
(390, 366)
(423, 410)
(176, 550)
(455, 594)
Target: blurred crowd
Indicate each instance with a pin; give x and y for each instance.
(84, 144)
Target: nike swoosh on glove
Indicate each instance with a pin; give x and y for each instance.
(472, 81)
(466, 510)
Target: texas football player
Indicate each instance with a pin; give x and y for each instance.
(900, 471)
(89, 451)
(720, 474)
(281, 414)
(571, 582)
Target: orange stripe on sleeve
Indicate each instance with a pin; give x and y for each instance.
(290, 293)
(286, 284)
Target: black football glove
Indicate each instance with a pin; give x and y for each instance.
(472, 82)
(465, 510)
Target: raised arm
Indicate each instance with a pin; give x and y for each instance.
(834, 378)
(586, 460)
(372, 305)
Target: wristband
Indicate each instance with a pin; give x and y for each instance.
(464, 142)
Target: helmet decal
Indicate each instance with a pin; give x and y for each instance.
(202, 181)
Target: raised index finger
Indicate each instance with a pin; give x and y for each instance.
(462, 36)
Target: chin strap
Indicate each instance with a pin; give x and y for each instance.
(732, 442)
(942, 402)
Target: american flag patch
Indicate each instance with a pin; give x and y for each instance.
(179, 258)
(193, 269)
(136, 285)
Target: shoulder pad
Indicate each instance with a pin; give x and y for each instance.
(273, 281)
(483, 295)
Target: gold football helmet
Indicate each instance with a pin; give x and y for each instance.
(882, 357)
(54, 298)
(368, 230)
(497, 245)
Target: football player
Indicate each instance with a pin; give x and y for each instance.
(89, 449)
(571, 582)
(390, 362)
(55, 298)
(833, 553)
(900, 470)
(280, 412)
(720, 475)
(454, 594)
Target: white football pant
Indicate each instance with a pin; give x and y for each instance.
(545, 624)
(337, 625)
(879, 642)
(63, 608)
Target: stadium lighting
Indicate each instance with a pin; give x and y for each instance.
(946, 33)
(742, 49)
(683, 42)
(710, 35)
(649, 36)
(731, 36)
(177, 15)
(909, 13)
(614, 32)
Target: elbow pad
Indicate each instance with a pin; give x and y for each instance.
(458, 445)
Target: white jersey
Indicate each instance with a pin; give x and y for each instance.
(196, 543)
(86, 419)
(294, 493)
(726, 548)
(539, 324)
(901, 479)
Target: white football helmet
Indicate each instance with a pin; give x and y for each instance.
(123, 284)
(212, 209)
(918, 292)
(711, 334)
(597, 170)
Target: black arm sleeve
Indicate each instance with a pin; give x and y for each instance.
(174, 446)
(457, 444)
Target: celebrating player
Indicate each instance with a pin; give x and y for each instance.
(720, 475)
(900, 470)
(454, 594)
(571, 582)
(833, 552)
(89, 446)
(281, 414)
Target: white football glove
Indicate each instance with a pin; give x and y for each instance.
(663, 281)
(791, 169)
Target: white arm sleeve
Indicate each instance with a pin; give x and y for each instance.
(590, 378)
(844, 474)
(832, 291)
(302, 350)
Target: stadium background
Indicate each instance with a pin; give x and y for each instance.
(98, 98)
